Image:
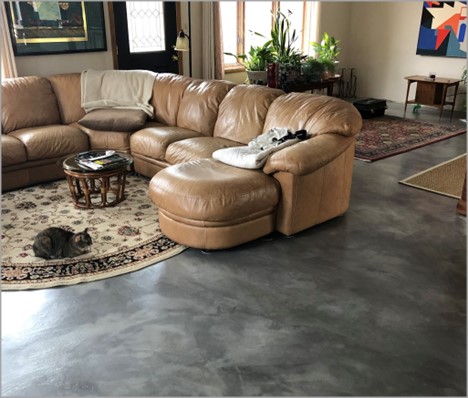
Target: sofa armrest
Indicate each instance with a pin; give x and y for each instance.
(308, 156)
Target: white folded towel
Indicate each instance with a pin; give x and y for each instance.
(255, 154)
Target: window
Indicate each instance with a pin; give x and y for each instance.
(145, 20)
(241, 19)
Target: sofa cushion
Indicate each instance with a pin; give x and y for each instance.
(67, 89)
(196, 148)
(243, 111)
(13, 151)
(117, 140)
(28, 102)
(51, 141)
(167, 94)
(210, 191)
(153, 141)
(200, 104)
(318, 114)
(114, 119)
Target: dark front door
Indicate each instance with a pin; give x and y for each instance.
(145, 33)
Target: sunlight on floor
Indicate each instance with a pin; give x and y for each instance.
(18, 311)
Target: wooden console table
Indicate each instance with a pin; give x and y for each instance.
(432, 92)
(309, 86)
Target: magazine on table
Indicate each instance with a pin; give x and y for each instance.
(94, 155)
(101, 162)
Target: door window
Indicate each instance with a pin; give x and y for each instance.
(145, 21)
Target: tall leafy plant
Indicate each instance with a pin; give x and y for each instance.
(283, 38)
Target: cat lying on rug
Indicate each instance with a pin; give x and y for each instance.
(56, 242)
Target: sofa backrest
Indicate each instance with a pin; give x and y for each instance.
(168, 89)
(199, 106)
(318, 114)
(28, 102)
(67, 89)
(243, 111)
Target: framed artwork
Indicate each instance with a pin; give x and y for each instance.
(443, 29)
(51, 27)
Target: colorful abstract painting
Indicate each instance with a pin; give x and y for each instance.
(443, 29)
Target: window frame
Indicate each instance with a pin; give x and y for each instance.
(234, 67)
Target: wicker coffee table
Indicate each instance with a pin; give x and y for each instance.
(92, 189)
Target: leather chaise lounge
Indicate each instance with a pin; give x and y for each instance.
(202, 202)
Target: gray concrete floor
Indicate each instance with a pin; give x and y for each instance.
(371, 303)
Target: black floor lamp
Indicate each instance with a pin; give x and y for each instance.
(183, 41)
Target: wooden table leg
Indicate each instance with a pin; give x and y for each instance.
(444, 95)
(85, 185)
(330, 87)
(454, 99)
(103, 189)
(407, 94)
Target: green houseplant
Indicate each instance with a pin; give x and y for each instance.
(327, 51)
(289, 58)
(312, 70)
(257, 59)
(256, 62)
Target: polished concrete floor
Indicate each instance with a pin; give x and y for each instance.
(371, 303)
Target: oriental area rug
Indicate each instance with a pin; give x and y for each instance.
(445, 178)
(126, 237)
(386, 136)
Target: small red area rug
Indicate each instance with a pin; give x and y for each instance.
(387, 136)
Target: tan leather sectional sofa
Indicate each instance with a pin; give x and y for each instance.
(299, 186)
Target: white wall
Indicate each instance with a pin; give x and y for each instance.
(378, 38)
(46, 65)
(383, 37)
(335, 20)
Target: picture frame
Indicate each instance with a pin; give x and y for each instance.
(51, 27)
(443, 29)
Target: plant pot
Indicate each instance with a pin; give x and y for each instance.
(288, 74)
(272, 73)
(312, 71)
(257, 77)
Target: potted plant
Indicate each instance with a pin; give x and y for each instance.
(312, 70)
(256, 62)
(285, 54)
(327, 52)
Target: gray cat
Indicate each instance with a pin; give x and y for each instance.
(56, 242)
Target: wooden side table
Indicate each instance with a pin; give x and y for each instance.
(92, 189)
(432, 92)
